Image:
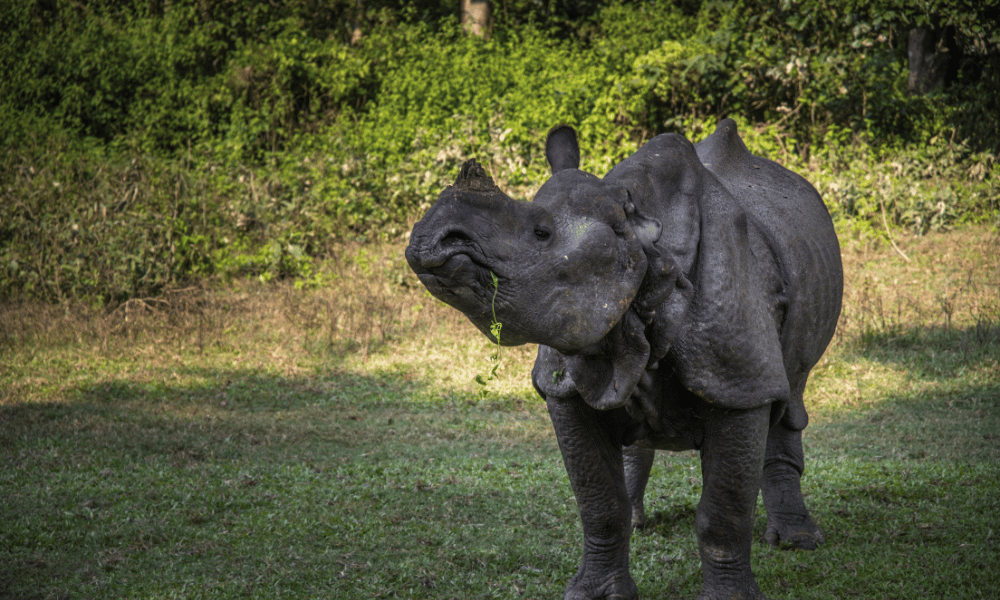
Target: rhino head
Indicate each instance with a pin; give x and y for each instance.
(567, 265)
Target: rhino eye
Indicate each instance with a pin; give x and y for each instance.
(542, 233)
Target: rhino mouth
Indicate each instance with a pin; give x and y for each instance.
(452, 262)
(458, 270)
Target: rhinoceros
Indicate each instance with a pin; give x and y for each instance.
(678, 303)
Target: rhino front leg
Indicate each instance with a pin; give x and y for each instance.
(788, 520)
(590, 442)
(638, 464)
(732, 458)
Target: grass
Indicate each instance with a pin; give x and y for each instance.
(249, 440)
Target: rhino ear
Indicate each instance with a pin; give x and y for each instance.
(561, 149)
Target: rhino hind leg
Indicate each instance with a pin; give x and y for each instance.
(638, 464)
(788, 521)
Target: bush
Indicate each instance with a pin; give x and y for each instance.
(150, 142)
(928, 188)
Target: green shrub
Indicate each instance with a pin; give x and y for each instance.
(150, 142)
(929, 188)
(78, 223)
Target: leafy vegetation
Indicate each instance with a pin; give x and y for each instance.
(495, 327)
(299, 441)
(148, 143)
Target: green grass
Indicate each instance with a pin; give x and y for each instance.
(263, 441)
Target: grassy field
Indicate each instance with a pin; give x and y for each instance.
(251, 440)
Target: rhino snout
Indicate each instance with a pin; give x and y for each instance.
(442, 247)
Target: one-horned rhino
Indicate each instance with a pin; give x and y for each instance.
(679, 302)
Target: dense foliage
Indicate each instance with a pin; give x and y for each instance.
(147, 141)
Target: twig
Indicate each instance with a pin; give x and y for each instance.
(889, 235)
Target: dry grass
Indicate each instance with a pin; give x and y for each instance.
(942, 281)
(919, 337)
(925, 323)
(370, 314)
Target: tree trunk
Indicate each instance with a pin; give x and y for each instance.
(356, 33)
(476, 17)
(929, 60)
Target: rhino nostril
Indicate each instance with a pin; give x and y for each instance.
(455, 238)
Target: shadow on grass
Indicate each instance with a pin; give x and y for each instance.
(195, 414)
(958, 421)
(189, 415)
(224, 481)
(678, 519)
(937, 397)
(932, 351)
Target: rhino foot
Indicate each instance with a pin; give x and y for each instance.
(797, 532)
(750, 594)
(615, 587)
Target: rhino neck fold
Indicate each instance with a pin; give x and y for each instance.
(606, 375)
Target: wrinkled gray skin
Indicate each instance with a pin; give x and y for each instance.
(678, 303)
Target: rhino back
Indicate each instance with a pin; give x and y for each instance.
(789, 213)
(781, 201)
